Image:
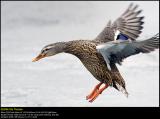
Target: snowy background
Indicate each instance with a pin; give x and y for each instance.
(62, 80)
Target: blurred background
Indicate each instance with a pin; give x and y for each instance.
(62, 80)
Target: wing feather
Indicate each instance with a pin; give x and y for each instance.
(116, 52)
(128, 23)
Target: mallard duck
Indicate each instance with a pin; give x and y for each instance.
(116, 42)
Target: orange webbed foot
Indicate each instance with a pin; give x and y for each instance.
(95, 93)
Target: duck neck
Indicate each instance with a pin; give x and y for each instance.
(63, 47)
(69, 47)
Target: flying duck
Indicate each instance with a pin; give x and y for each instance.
(116, 42)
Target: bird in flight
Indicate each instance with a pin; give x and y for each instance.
(116, 42)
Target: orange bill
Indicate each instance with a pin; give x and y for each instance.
(38, 58)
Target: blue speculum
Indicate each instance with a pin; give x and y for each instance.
(122, 37)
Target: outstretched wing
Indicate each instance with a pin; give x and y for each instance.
(128, 23)
(116, 52)
(106, 35)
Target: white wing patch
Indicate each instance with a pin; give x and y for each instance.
(116, 35)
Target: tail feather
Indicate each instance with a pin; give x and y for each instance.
(118, 81)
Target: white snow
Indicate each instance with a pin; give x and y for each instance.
(62, 80)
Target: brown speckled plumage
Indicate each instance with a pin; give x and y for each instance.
(86, 51)
(100, 59)
(93, 61)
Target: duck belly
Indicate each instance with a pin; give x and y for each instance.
(98, 69)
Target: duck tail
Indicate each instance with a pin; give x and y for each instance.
(118, 81)
(120, 88)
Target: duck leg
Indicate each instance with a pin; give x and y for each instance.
(96, 94)
(94, 91)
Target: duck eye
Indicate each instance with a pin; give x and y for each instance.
(45, 50)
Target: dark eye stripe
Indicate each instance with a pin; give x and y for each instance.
(45, 50)
(42, 51)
